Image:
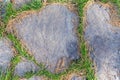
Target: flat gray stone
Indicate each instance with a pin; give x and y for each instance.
(2, 7)
(20, 3)
(24, 67)
(49, 35)
(74, 76)
(37, 78)
(6, 54)
(104, 40)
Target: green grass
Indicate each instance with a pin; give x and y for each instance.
(21, 51)
(84, 64)
(11, 12)
(85, 60)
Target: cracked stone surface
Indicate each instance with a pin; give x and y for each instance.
(49, 35)
(104, 40)
(6, 54)
(25, 66)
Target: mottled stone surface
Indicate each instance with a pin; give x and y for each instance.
(20, 3)
(4, 0)
(104, 40)
(6, 54)
(77, 78)
(38, 78)
(24, 67)
(49, 35)
(2, 7)
(74, 76)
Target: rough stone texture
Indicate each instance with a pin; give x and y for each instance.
(24, 67)
(23, 79)
(20, 3)
(77, 78)
(104, 40)
(2, 7)
(38, 78)
(6, 54)
(3, 4)
(49, 35)
(74, 76)
(4, 0)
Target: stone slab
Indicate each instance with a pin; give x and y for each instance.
(103, 39)
(24, 67)
(6, 54)
(49, 35)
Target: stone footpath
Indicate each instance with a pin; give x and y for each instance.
(49, 35)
